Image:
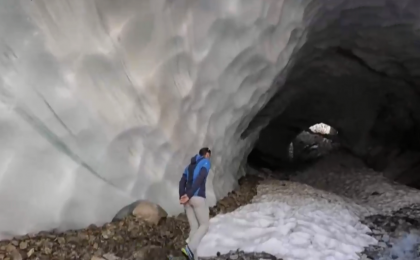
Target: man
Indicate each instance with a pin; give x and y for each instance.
(192, 194)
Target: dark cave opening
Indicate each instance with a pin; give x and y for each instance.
(386, 140)
(306, 148)
(377, 122)
(351, 76)
(377, 117)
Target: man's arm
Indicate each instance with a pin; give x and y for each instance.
(197, 183)
(182, 184)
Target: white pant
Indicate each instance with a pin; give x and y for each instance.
(198, 217)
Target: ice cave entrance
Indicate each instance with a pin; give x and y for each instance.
(312, 143)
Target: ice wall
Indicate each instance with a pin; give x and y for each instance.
(104, 102)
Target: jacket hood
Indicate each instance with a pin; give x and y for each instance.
(195, 158)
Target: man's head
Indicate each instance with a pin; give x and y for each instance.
(205, 152)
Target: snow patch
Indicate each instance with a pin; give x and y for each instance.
(292, 221)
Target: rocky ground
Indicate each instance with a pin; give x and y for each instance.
(130, 238)
(134, 239)
(398, 235)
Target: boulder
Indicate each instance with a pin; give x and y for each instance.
(126, 211)
(146, 210)
(149, 212)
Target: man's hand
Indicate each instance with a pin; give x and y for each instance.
(184, 199)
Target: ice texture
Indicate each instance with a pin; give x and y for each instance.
(104, 102)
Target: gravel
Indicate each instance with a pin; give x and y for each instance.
(127, 239)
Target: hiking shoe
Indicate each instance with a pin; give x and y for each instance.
(188, 253)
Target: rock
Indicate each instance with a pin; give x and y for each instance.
(382, 244)
(110, 257)
(151, 252)
(143, 209)
(240, 255)
(30, 252)
(376, 232)
(96, 258)
(393, 227)
(126, 211)
(16, 255)
(182, 217)
(150, 212)
(61, 240)
(23, 245)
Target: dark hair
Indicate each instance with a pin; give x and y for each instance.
(203, 151)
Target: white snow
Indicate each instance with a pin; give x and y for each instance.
(292, 221)
(295, 221)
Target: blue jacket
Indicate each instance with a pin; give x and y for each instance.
(193, 180)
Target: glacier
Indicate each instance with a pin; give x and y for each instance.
(103, 102)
